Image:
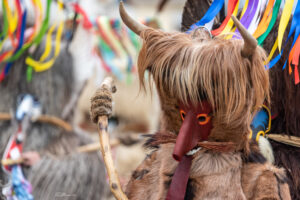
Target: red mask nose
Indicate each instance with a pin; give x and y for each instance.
(195, 128)
(187, 137)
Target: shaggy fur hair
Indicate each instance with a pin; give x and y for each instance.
(235, 87)
(180, 62)
(212, 176)
(285, 97)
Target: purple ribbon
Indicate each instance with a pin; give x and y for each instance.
(248, 15)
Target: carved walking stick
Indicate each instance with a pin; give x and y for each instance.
(114, 182)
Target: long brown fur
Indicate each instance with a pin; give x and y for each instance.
(180, 63)
(195, 67)
(285, 96)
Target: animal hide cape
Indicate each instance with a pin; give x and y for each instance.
(212, 176)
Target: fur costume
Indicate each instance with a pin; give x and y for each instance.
(213, 176)
(285, 97)
(229, 76)
(62, 172)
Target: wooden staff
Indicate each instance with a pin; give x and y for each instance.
(45, 119)
(82, 149)
(285, 139)
(114, 181)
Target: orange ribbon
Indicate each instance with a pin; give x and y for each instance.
(264, 23)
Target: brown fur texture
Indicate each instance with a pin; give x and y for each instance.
(258, 182)
(285, 96)
(191, 68)
(212, 176)
(180, 63)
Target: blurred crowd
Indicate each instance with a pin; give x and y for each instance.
(54, 55)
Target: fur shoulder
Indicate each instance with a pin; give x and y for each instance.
(264, 181)
(141, 183)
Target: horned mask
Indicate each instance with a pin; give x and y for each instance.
(226, 76)
(209, 88)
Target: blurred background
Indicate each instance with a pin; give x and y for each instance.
(53, 57)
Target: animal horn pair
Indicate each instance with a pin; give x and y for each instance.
(250, 42)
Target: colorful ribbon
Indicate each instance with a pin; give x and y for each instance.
(40, 66)
(230, 23)
(212, 11)
(261, 39)
(230, 9)
(263, 25)
(86, 22)
(284, 20)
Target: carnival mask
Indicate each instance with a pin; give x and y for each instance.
(196, 127)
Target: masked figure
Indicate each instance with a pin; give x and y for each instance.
(210, 89)
(285, 98)
(59, 171)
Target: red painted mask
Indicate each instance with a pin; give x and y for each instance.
(196, 127)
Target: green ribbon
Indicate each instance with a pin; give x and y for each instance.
(5, 22)
(37, 39)
(29, 73)
(276, 7)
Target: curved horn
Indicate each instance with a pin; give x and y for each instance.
(132, 24)
(250, 42)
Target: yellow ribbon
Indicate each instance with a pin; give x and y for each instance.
(12, 22)
(230, 23)
(244, 8)
(284, 20)
(39, 66)
(12, 18)
(48, 43)
(272, 52)
(38, 24)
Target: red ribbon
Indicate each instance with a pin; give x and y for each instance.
(230, 9)
(86, 22)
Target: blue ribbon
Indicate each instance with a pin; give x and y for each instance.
(21, 186)
(212, 11)
(21, 41)
(295, 28)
